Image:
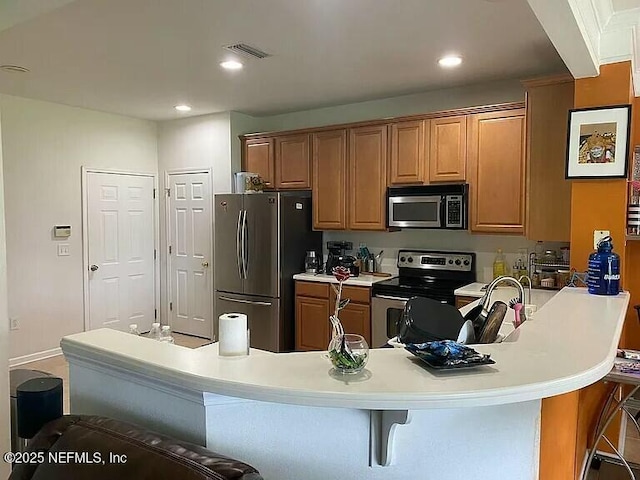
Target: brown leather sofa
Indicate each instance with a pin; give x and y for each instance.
(121, 451)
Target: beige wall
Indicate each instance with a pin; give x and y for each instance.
(194, 142)
(44, 146)
(5, 444)
(435, 100)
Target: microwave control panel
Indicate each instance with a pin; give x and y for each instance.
(454, 211)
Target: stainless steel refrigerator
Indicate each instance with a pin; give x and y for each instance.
(260, 242)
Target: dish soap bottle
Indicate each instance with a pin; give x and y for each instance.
(604, 270)
(499, 265)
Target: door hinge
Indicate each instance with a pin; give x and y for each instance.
(168, 191)
(155, 313)
(171, 306)
(154, 193)
(169, 249)
(155, 253)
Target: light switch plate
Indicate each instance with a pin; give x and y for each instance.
(63, 250)
(599, 235)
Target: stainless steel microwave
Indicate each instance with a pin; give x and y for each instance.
(428, 206)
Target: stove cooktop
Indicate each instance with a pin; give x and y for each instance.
(428, 273)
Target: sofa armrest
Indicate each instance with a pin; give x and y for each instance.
(146, 454)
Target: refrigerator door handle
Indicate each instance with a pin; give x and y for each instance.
(238, 245)
(245, 245)
(235, 300)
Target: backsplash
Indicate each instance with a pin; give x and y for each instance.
(484, 246)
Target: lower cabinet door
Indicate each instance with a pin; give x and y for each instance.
(356, 318)
(312, 323)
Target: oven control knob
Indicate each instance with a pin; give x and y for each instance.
(402, 259)
(458, 262)
(450, 262)
(410, 260)
(466, 262)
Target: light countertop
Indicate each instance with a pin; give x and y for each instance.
(363, 280)
(570, 343)
(504, 293)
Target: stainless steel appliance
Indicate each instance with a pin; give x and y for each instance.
(421, 273)
(260, 242)
(312, 262)
(428, 206)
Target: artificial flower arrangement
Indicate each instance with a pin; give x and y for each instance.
(348, 352)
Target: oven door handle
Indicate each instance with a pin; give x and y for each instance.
(389, 297)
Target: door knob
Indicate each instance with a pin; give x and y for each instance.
(93, 268)
(205, 264)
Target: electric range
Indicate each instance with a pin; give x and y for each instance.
(421, 273)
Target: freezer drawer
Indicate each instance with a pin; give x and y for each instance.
(263, 314)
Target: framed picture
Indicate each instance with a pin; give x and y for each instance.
(598, 142)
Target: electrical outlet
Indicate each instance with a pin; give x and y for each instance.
(14, 323)
(599, 235)
(63, 250)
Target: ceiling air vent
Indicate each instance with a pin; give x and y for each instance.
(247, 50)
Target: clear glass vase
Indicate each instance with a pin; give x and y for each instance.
(348, 353)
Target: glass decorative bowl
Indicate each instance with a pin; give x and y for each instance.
(348, 353)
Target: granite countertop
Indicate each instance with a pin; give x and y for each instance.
(363, 280)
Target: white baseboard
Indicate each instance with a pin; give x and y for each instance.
(34, 357)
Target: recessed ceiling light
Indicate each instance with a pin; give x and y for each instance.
(183, 108)
(450, 61)
(231, 65)
(14, 69)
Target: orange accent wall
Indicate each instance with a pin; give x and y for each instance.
(568, 420)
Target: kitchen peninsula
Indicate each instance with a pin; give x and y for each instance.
(291, 418)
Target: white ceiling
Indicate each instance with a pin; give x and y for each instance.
(142, 57)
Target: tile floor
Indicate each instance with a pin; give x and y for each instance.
(58, 366)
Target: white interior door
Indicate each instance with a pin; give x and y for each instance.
(190, 256)
(120, 235)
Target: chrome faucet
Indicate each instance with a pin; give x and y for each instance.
(493, 285)
(528, 278)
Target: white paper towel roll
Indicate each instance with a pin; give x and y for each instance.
(233, 334)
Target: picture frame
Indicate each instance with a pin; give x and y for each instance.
(598, 142)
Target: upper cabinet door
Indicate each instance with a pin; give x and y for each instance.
(258, 158)
(497, 171)
(548, 193)
(292, 162)
(408, 163)
(329, 162)
(367, 177)
(448, 149)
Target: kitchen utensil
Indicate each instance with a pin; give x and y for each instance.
(477, 319)
(515, 304)
(494, 321)
(425, 320)
(378, 259)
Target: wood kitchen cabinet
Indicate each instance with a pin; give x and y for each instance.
(329, 180)
(462, 300)
(496, 167)
(258, 158)
(315, 301)
(367, 177)
(292, 162)
(408, 152)
(448, 149)
(548, 193)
